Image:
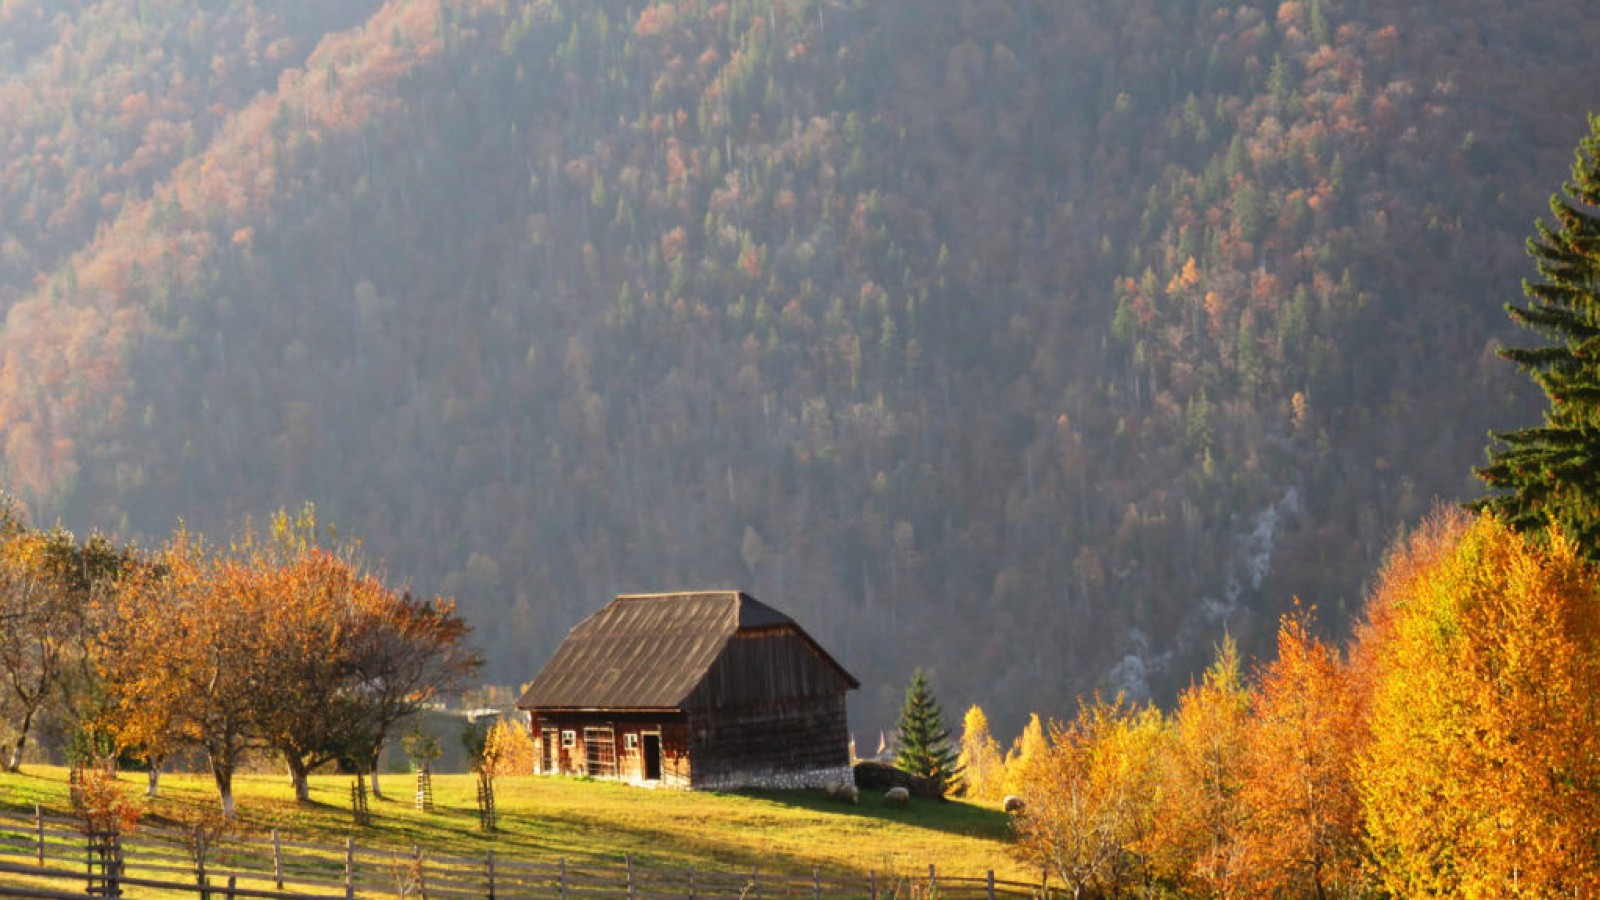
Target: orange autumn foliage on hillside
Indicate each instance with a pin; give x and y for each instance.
(964, 304)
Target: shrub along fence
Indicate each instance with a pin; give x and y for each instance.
(53, 858)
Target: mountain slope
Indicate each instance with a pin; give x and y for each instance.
(1034, 343)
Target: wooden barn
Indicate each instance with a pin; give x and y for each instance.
(704, 690)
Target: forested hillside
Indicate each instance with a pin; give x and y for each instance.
(1033, 342)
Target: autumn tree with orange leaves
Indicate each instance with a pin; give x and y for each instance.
(49, 583)
(1482, 777)
(273, 644)
(1303, 835)
(37, 623)
(1091, 801)
(1197, 842)
(175, 652)
(348, 657)
(310, 612)
(408, 652)
(1453, 749)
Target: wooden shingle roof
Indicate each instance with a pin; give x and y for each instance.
(650, 651)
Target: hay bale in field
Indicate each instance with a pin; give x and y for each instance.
(1014, 804)
(898, 797)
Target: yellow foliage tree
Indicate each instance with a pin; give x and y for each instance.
(1027, 752)
(1196, 843)
(1482, 776)
(983, 769)
(1092, 800)
(1303, 819)
(507, 750)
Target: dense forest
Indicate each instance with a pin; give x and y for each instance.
(1035, 343)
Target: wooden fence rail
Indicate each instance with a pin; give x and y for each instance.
(52, 853)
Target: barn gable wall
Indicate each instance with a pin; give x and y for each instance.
(763, 665)
(793, 742)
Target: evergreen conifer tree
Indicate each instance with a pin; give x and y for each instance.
(922, 741)
(1550, 475)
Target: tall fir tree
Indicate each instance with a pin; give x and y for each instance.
(922, 741)
(1550, 475)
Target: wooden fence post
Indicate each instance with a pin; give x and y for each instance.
(755, 880)
(38, 824)
(816, 884)
(629, 858)
(233, 884)
(349, 867)
(103, 857)
(422, 878)
(563, 882)
(991, 884)
(872, 884)
(933, 881)
(489, 869)
(277, 859)
(691, 882)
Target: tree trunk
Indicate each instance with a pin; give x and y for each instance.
(299, 777)
(222, 772)
(153, 776)
(376, 758)
(15, 763)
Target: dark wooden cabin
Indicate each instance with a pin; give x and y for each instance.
(706, 690)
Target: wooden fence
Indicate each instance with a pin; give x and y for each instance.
(50, 857)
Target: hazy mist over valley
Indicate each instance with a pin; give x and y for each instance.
(1038, 343)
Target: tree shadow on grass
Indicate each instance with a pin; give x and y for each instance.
(948, 816)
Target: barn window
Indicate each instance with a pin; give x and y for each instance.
(569, 738)
(631, 741)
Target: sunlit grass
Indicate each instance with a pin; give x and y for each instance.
(591, 822)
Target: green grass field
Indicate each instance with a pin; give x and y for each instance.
(584, 821)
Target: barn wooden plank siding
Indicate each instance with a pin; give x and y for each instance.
(707, 690)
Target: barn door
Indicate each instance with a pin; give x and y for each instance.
(547, 751)
(600, 752)
(652, 757)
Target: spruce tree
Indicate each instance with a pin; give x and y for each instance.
(922, 742)
(1550, 475)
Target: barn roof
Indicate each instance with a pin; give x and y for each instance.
(650, 651)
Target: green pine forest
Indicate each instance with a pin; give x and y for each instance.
(1034, 342)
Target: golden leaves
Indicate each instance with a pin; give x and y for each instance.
(1484, 749)
(1455, 750)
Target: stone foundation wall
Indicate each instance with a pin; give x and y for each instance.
(810, 778)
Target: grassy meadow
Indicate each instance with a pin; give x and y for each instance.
(590, 821)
